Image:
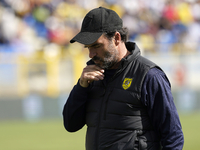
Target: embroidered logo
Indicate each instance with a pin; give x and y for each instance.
(127, 83)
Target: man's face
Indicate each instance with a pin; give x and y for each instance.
(103, 53)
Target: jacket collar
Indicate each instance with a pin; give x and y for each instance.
(135, 52)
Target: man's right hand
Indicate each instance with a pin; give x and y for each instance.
(91, 73)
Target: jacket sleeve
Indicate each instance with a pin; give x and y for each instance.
(74, 109)
(157, 96)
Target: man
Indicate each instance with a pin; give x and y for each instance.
(124, 99)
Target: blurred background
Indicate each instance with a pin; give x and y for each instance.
(38, 66)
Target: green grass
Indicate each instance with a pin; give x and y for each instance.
(191, 130)
(44, 135)
(51, 135)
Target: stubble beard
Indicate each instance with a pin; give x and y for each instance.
(109, 59)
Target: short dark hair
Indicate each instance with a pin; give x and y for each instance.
(123, 32)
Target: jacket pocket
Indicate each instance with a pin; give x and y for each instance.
(131, 142)
(112, 139)
(142, 144)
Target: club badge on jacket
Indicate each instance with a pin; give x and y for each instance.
(127, 83)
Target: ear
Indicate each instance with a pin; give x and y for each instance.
(117, 38)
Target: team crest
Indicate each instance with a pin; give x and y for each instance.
(127, 83)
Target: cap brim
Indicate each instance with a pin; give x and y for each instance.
(86, 38)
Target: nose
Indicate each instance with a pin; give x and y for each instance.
(92, 53)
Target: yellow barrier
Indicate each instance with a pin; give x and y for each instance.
(41, 73)
(53, 72)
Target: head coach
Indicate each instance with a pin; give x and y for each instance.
(124, 99)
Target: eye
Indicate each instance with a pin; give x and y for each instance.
(93, 46)
(97, 46)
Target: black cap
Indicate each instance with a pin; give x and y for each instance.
(95, 23)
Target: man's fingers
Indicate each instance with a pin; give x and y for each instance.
(93, 72)
(94, 67)
(93, 75)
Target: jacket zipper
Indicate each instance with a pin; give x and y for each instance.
(99, 120)
(106, 104)
(104, 113)
(106, 101)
